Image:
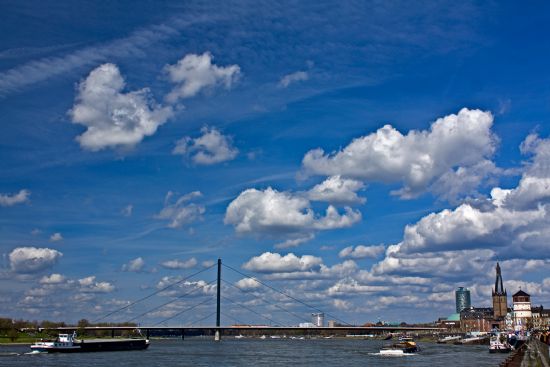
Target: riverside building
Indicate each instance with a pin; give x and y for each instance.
(520, 317)
(522, 311)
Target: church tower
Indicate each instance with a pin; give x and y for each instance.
(500, 307)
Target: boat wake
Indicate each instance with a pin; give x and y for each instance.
(9, 354)
(392, 355)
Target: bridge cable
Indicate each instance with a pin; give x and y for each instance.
(270, 303)
(172, 301)
(232, 318)
(204, 318)
(185, 310)
(251, 310)
(287, 295)
(152, 294)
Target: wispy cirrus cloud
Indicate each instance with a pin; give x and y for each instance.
(36, 71)
(289, 79)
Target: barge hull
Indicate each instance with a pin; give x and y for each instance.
(99, 345)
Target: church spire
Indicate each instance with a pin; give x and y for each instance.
(499, 288)
(500, 307)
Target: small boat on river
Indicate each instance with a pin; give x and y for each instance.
(67, 343)
(473, 339)
(499, 344)
(405, 346)
(449, 339)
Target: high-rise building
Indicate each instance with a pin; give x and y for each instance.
(318, 319)
(462, 297)
(500, 298)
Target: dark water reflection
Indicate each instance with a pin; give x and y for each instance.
(256, 352)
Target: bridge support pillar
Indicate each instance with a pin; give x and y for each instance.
(182, 334)
(147, 333)
(217, 335)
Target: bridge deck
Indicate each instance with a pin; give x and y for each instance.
(251, 327)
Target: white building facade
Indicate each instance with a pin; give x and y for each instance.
(522, 310)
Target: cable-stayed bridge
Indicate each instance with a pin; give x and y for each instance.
(218, 329)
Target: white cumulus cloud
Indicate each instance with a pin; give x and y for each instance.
(21, 197)
(90, 285)
(194, 73)
(31, 259)
(52, 279)
(337, 190)
(179, 264)
(465, 242)
(210, 148)
(56, 237)
(208, 263)
(113, 118)
(349, 285)
(416, 159)
(136, 265)
(271, 211)
(446, 264)
(181, 212)
(275, 263)
(534, 187)
(248, 284)
(361, 252)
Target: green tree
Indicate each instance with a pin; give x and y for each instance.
(81, 325)
(13, 334)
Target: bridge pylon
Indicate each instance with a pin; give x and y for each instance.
(217, 335)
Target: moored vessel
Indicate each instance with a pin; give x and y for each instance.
(499, 344)
(449, 339)
(474, 338)
(67, 343)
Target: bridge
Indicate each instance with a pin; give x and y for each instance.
(218, 329)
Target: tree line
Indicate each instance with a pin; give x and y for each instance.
(14, 329)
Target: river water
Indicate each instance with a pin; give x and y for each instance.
(257, 352)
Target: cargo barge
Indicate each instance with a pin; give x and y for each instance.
(67, 343)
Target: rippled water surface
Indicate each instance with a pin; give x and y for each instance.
(257, 352)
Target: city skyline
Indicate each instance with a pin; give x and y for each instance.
(366, 158)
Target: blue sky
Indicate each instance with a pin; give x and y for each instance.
(367, 157)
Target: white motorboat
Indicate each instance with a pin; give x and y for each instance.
(499, 344)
